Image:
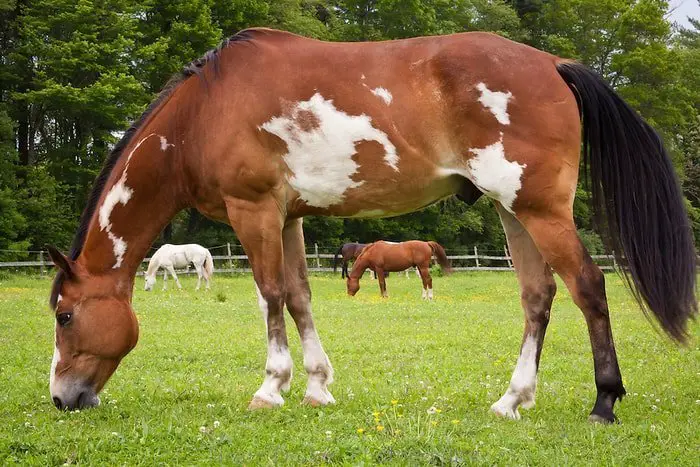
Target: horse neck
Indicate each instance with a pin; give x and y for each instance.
(361, 264)
(142, 193)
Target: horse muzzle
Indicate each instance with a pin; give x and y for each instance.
(74, 397)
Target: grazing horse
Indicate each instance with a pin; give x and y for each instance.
(170, 257)
(384, 257)
(370, 130)
(347, 252)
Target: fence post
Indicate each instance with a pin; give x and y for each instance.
(510, 263)
(318, 258)
(614, 261)
(230, 261)
(43, 265)
(476, 257)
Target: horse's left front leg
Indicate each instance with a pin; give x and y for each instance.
(298, 300)
(262, 242)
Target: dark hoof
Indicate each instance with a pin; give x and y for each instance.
(603, 420)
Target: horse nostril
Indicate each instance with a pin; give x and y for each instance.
(57, 402)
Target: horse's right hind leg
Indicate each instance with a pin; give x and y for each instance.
(557, 240)
(424, 273)
(537, 288)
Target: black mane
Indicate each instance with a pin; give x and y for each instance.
(194, 68)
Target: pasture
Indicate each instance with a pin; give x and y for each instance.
(413, 381)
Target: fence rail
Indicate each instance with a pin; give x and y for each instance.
(321, 262)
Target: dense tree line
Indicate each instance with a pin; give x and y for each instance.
(74, 73)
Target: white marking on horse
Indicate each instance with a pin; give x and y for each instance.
(320, 157)
(262, 304)
(523, 383)
(120, 193)
(59, 299)
(52, 376)
(164, 143)
(494, 174)
(496, 102)
(383, 94)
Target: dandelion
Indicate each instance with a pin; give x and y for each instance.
(434, 423)
(394, 402)
(202, 429)
(380, 428)
(376, 414)
(438, 410)
(360, 431)
(455, 422)
(432, 411)
(216, 424)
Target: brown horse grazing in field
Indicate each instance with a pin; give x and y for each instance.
(384, 257)
(370, 130)
(347, 253)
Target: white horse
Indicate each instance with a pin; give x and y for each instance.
(170, 257)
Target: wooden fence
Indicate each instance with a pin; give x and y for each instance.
(316, 261)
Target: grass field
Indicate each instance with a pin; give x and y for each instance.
(180, 397)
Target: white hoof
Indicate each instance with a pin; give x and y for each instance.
(505, 410)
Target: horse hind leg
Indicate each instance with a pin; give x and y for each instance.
(537, 288)
(427, 281)
(266, 259)
(298, 300)
(557, 240)
(198, 268)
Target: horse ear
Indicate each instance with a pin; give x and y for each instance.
(60, 260)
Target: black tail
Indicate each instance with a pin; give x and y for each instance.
(335, 258)
(636, 192)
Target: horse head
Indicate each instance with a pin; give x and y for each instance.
(95, 328)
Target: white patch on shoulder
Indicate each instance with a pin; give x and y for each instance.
(496, 102)
(120, 193)
(383, 94)
(164, 143)
(320, 143)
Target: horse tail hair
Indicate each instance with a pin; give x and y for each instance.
(635, 192)
(335, 258)
(208, 265)
(442, 259)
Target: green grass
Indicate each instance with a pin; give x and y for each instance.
(201, 356)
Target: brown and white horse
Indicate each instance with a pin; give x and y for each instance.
(382, 257)
(271, 127)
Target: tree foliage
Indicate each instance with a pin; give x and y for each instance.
(74, 73)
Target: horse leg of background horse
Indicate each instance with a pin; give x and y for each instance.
(382, 281)
(424, 272)
(537, 289)
(298, 300)
(165, 279)
(265, 257)
(198, 268)
(171, 270)
(557, 240)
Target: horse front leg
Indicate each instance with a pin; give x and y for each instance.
(262, 242)
(298, 300)
(171, 270)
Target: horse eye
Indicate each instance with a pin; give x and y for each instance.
(63, 318)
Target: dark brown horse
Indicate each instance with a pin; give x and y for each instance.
(372, 130)
(347, 253)
(384, 257)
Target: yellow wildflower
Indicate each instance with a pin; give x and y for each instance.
(380, 428)
(376, 414)
(394, 402)
(455, 422)
(434, 422)
(360, 430)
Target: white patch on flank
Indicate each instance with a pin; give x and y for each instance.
(164, 143)
(494, 174)
(320, 158)
(496, 102)
(120, 193)
(52, 375)
(383, 94)
(522, 384)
